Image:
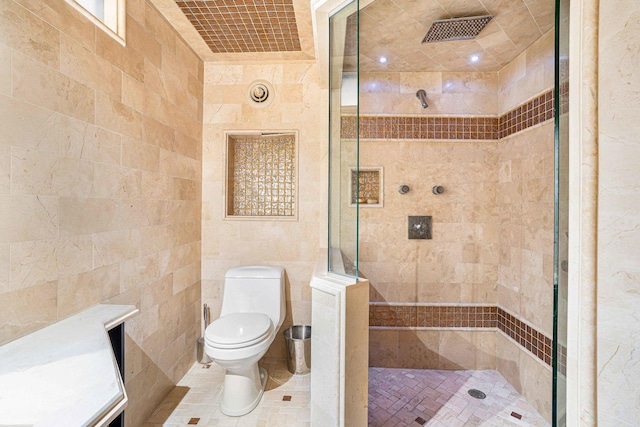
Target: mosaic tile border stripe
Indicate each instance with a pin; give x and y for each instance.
(408, 316)
(536, 111)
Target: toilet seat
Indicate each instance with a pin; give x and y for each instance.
(238, 330)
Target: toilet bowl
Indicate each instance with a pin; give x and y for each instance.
(253, 309)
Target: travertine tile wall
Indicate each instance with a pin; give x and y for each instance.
(100, 175)
(525, 205)
(298, 105)
(464, 93)
(460, 263)
(618, 232)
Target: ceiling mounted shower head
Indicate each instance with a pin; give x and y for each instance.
(446, 30)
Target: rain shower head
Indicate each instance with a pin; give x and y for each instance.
(422, 96)
(446, 30)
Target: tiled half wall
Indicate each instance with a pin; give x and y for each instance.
(449, 316)
(531, 113)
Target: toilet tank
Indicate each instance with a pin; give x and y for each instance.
(255, 289)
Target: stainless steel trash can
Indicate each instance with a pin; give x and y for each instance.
(298, 340)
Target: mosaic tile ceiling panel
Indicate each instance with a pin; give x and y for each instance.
(242, 26)
(395, 29)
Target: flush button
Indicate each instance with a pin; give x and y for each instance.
(419, 227)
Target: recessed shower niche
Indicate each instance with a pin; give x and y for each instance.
(261, 175)
(366, 186)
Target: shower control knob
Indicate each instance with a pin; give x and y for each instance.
(403, 189)
(437, 189)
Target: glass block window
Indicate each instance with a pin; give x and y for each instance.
(261, 175)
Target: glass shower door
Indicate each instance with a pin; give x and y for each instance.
(561, 225)
(343, 141)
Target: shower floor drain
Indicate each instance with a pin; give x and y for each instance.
(477, 394)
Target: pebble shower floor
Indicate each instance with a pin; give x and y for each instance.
(397, 397)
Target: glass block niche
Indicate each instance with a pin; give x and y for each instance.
(366, 187)
(261, 175)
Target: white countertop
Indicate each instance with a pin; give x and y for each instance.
(64, 374)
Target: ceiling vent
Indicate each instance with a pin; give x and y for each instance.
(260, 93)
(446, 30)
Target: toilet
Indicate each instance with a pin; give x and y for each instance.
(253, 309)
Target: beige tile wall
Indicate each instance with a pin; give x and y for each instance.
(432, 349)
(460, 263)
(463, 93)
(528, 75)
(100, 182)
(298, 105)
(525, 205)
(618, 240)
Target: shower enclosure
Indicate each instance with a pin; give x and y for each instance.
(488, 291)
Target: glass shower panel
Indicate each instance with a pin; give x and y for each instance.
(562, 212)
(343, 140)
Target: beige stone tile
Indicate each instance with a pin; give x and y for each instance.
(64, 18)
(28, 218)
(159, 29)
(536, 383)
(33, 263)
(132, 93)
(46, 87)
(140, 40)
(25, 125)
(418, 349)
(26, 33)
(157, 186)
(117, 117)
(5, 69)
(155, 239)
(457, 350)
(27, 310)
(137, 9)
(138, 155)
(83, 65)
(178, 257)
(116, 182)
(86, 215)
(156, 292)
(5, 266)
(111, 247)
(138, 271)
(5, 169)
(157, 133)
(128, 60)
(40, 173)
(85, 141)
(78, 292)
(179, 166)
(188, 146)
(383, 348)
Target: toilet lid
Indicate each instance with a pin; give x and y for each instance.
(238, 330)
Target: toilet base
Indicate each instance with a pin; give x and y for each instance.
(243, 389)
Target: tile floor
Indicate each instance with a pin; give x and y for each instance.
(414, 397)
(397, 397)
(196, 399)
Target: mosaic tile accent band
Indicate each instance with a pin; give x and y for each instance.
(262, 175)
(536, 111)
(433, 316)
(408, 316)
(244, 26)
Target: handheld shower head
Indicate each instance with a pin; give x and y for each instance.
(422, 96)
